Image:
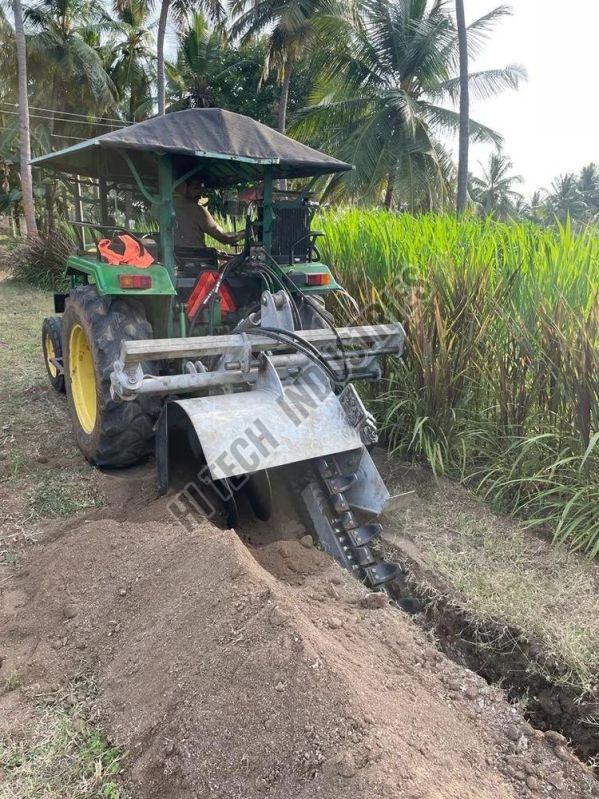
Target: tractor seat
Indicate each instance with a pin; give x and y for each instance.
(192, 260)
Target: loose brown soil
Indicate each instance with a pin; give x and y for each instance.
(229, 672)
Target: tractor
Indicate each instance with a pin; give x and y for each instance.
(228, 362)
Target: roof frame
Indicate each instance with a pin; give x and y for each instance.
(237, 149)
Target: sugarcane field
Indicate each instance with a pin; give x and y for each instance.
(299, 379)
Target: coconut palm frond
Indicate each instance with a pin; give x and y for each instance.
(483, 85)
(380, 95)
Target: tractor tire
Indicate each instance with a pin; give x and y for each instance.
(52, 349)
(109, 432)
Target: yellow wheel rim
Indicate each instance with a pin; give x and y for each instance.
(49, 353)
(83, 379)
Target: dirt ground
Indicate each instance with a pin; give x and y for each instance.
(167, 663)
(231, 672)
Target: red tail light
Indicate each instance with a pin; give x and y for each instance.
(318, 279)
(135, 281)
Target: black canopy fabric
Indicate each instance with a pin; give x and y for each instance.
(232, 148)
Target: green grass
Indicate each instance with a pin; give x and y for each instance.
(39, 462)
(503, 573)
(499, 383)
(58, 496)
(10, 683)
(8, 558)
(63, 754)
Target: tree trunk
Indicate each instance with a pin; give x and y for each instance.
(160, 78)
(388, 200)
(54, 104)
(462, 194)
(26, 179)
(284, 96)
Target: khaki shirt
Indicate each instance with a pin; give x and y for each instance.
(193, 221)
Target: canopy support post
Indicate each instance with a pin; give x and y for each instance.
(166, 213)
(78, 209)
(166, 222)
(102, 188)
(267, 210)
(164, 201)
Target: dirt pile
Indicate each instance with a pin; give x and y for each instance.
(232, 676)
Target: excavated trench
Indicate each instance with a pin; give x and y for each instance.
(498, 652)
(229, 671)
(501, 654)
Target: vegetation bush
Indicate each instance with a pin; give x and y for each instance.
(41, 261)
(499, 385)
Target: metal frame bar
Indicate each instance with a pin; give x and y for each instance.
(83, 145)
(151, 198)
(187, 175)
(242, 158)
(89, 143)
(133, 352)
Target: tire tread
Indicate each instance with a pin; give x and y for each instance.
(126, 429)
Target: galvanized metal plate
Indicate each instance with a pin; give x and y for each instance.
(245, 432)
(368, 492)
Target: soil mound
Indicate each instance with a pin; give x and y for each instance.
(236, 673)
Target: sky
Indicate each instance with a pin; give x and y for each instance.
(551, 124)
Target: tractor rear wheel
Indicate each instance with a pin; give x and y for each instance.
(52, 349)
(108, 432)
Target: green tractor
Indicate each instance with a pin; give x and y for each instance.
(228, 361)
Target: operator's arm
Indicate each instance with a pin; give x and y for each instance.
(211, 228)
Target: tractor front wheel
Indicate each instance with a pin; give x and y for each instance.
(52, 349)
(108, 432)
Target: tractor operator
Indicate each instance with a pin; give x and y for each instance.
(193, 220)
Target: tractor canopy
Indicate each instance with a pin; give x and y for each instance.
(220, 147)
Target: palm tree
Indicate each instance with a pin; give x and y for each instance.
(588, 186)
(536, 201)
(65, 53)
(378, 99)
(564, 199)
(290, 28)
(534, 209)
(131, 58)
(25, 145)
(494, 191)
(160, 79)
(199, 65)
(9, 89)
(462, 191)
(214, 9)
